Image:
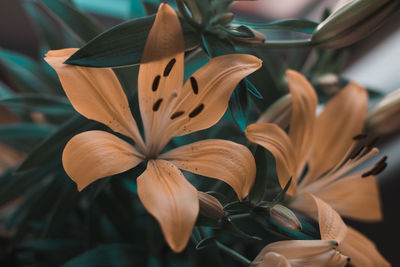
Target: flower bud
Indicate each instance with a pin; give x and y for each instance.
(279, 112)
(210, 206)
(284, 217)
(257, 39)
(352, 21)
(385, 117)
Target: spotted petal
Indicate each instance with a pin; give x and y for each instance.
(342, 118)
(95, 93)
(304, 104)
(205, 95)
(161, 68)
(92, 155)
(171, 199)
(221, 159)
(275, 140)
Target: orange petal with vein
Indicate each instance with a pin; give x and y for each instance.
(362, 193)
(275, 140)
(221, 159)
(171, 199)
(161, 67)
(304, 104)
(361, 250)
(342, 118)
(92, 155)
(95, 93)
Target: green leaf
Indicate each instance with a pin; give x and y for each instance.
(26, 74)
(206, 242)
(5, 91)
(80, 25)
(43, 103)
(257, 191)
(238, 105)
(295, 25)
(123, 44)
(54, 144)
(24, 131)
(281, 194)
(114, 255)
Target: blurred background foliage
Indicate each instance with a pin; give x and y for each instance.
(44, 221)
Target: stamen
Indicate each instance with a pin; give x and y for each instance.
(195, 86)
(356, 152)
(157, 104)
(177, 114)
(378, 168)
(196, 111)
(169, 67)
(156, 82)
(360, 136)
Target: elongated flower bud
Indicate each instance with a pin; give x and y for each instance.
(279, 112)
(385, 117)
(256, 40)
(210, 206)
(284, 217)
(352, 21)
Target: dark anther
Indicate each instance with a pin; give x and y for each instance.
(383, 159)
(157, 104)
(373, 141)
(196, 111)
(360, 136)
(379, 168)
(195, 86)
(176, 114)
(169, 67)
(156, 82)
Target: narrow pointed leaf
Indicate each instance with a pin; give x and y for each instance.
(257, 192)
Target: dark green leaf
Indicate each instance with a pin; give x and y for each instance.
(228, 226)
(123, 44)
(257, 191)
(53, 145)
(281, 194)
(82, 27)
(206, 242)
(238, 105)
(296, 25)
(24, 131)
(43, 103)
(115, 255)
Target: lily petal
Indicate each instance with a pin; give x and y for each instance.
(95, 93)
(275, 140)
(304, 104)
(92, 155)
(274, 259)
(331, 225)
(361, 250)
(362, 193)
(221, 159)
(302, 253)
(342, 118)
(205, 95)
(171, 199)
(161, 68)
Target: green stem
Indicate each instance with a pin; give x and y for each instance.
(240, 216)
(230, 252)
(288, 44)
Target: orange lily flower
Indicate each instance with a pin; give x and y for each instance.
(328, 145)
(339, 245)
(168, 109)
(297, 253)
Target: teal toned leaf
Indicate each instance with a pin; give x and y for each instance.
(80, 25)
(257, 192)
(24, 131)
(54, 145)
(123, 44)
(238, 105)
(296, 25)
(43, 103)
